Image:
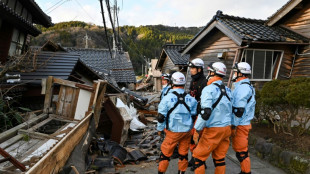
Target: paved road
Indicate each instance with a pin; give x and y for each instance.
(258, 166)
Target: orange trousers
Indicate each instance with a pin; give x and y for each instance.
(240, 145)
(167, 147)
(214, 140)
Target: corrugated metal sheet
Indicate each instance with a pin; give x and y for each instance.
(57, 64)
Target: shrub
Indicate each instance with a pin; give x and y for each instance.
(286, 103)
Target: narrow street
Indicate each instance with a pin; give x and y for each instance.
(232, 166)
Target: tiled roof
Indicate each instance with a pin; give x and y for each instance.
(252, 30)
(38, 16)
(172, 50)
(256, 30)
(11, 16)
(119, 67)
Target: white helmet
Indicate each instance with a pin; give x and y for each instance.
(242, 67)
(196, 63)
(178, 78)
(218, 68)
(165, 76)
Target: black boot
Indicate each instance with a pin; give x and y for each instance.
(181, 172)
(244, 173)
(160, 172)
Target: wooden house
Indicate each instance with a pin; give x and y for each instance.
(295, 16)
(171, 59)
(270, 50)
(17, 21)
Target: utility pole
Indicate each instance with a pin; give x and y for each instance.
(86, 38)
(114, 21)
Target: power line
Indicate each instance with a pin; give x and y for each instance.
(105, 27)
(57, 6)
(84, 10)
(53, 5)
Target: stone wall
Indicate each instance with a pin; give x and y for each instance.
(290, 161)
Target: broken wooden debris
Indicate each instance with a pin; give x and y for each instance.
(45, 142)
(8, 157)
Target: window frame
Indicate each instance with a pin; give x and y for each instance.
(275, 66)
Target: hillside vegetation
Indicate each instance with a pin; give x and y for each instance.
(138, 41)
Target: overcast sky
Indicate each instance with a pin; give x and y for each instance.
(166, 12)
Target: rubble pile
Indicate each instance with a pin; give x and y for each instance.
(105, 156)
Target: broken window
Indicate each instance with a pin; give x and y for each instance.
(263, 62)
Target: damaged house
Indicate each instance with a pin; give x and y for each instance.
(17, 25)
(271, 48)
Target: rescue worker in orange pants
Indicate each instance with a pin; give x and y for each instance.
(214, 120)
(174, 117)
(197, 84)
(243, 104)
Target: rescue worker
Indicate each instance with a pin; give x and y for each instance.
(243, 104)
(198, 82)
(174, 118)
(165, 82)
(214, 121)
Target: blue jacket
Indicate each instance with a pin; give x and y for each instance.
(163, 91)
(241, 94)
(221, 114)
(180, 119)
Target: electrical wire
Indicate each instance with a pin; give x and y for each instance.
(84, 10)
(105, 27)
(57, 6)
(53, 5)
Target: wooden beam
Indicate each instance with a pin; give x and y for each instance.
(73, 84)
(37, 135)
(282, 12)
(11, 141)
(97, 104)
(56, 158)
(48, 94)
(13, 131)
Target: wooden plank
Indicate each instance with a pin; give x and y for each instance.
(76, 94)
(11, 141)
(98, 103)
(64, 82)
(12, 132)
(56, 158)
(73, 84)
(35, 127)
(61, 100)
(62, 118)
(48, 94)
(66, 111)
(37, 134)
